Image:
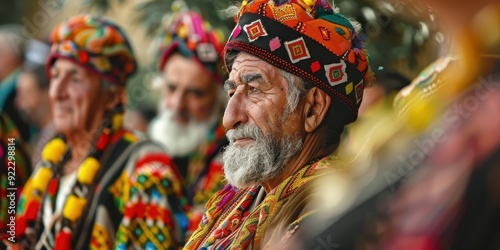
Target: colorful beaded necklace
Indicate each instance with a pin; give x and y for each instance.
(46, 180)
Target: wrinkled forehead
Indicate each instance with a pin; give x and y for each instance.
(245, 64)
(68, 65)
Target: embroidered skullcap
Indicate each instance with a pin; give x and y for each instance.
(98, 45)
(187, 33)
(310, 39)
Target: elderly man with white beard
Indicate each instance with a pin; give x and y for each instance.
(189, 122)
(297, 71)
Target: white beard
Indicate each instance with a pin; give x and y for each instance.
(180, 140)
(262, 160)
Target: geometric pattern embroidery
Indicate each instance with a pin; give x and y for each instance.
(348, 88)
(284, 13)
(297, 50)
(248, 229)
(325, 33)
(100, 238)
(315, 66)
(236, 32)
(255, 30)
(274, 44)
(300, 27)
(359, 92)
(335, 73)
(340, 31)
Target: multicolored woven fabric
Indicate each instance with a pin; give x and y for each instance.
(150, 213)
(231, 223)
(135, 188)
(98, 45)
(205, 176)
(310, 39)
(188, 34)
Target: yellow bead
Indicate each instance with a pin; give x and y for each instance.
(117, 122)
(211, 240)
(245, 2)
(42, 178)
(27, 192)
(309, 2)
(130, 137)
(54, 150)
(88, 170)
(73, 208)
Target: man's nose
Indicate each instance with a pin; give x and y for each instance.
(176, 102)
(58, 89)
(235, 111)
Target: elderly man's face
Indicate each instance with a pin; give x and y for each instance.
(77, 98)
(189, 90)
(262, 137)
(190, 106)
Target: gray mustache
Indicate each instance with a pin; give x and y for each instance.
(245, 130)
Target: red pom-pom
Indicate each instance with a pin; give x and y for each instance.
(53, 186)
(103, 141)
(84, 57)
(21, 225)
(32, 210)
(63, 240)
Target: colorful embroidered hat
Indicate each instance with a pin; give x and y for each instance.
(311, 40)
(97, 44)
(189, 35)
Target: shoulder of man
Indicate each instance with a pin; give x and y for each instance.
(148, 156)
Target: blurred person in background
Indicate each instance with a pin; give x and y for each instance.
(189, 122)
(33, 103)
(97, 183)
(12, 55)
(297, 74)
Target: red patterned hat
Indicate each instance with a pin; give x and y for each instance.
(189, 35)
(311, 40)
(97, 44)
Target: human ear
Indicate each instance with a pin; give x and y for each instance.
(317, 103)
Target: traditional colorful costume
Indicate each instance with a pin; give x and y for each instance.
(125, 193)
(313, 41)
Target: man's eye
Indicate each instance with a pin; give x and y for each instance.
(230, 93)
(170, 88)
(253, 90)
